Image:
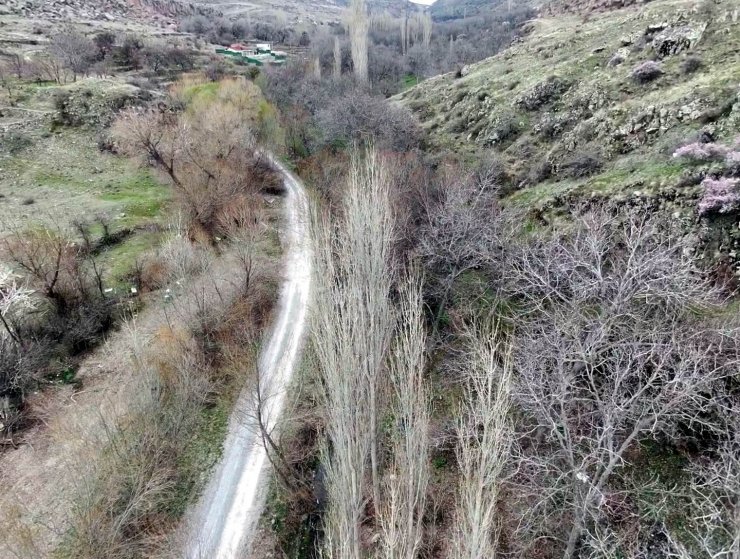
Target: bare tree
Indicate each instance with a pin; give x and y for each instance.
(42, 256)
(484, 441)
(463, 230)
(714, 529)
(73, 50)
(337, 63)
(406, 483)
(7, 83)
(15, 300)
(18, 64)
(358, 32)
(352, 325)
(426, 27)
(209, 155)
(611, 350)
(50, 68)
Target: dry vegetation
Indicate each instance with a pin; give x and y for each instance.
(560, 360)
(213, 285)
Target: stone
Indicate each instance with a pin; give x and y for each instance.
(671, 41)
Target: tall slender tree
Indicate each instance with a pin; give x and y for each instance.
(337, 70)
(358, 33)
(352, 327)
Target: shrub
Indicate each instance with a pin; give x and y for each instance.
(615, 60)
(15, 142)
(540, 171)
(720, 196)
(698, 152)
(22, 365)
(691, 64)
(647, 71)
(542, 93)
(733, 162)
(582, 164)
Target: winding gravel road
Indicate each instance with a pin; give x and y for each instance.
(223, 522)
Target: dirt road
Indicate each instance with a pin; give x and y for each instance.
(221, 525)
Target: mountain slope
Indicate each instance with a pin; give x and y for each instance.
(306, 10)
(564, 113)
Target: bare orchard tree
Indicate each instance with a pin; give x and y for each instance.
(358, 33)
(484, 441)
(463, 229)
(73, 50)
(406, 483)
(612, 349)
(352, 324)
(19, 64)
(49, 68)
(7, 82)
(714, 530)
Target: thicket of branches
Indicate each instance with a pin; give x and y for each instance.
(208, 153)
(72, 54)
(53, 307)
(585, 357)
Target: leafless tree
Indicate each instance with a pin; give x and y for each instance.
(42, 256)
(18, 64)
(50, 68)
(337, 62)
(611, 349)
(358, 32)
(484, 440)
(359, 117)
(352, 324)
(426, 26)
(406, 484)
(209, 155)
(15, 300)
(463, 229)
(7, 82)
(73, 50)
(714, 510)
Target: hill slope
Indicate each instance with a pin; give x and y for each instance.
(292, 11)
(563, 111)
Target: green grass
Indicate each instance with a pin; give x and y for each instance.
(119, 261)
(409, 80)
(200, 455)
(142, 196)
(534, 195)
(200, 93)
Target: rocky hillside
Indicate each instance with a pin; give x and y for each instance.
(101, 10)
(293, 11)
(584, 108)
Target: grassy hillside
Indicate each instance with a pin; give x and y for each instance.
(569, 120)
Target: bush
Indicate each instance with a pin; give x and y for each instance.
(22, 365)
(615, 60)
(647, 72)
(542, 93)
(698, 152)
(691, 64)
(720, 196)
(541, 171)
(581, 165)
(15, 142)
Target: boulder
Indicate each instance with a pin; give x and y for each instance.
(673, 40)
